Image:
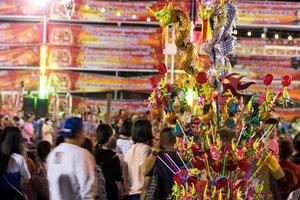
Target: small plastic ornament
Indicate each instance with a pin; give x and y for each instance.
(171, 118)
(162, 69)
(268, 79)
(286, 80)
(201, 77)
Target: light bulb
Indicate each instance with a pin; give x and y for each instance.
(118, 14)
(148, 19)
(263, 35)
(103, 10)
(276, 36)
(249, 33)
(235, 32)
(290, 38)
(133, 16)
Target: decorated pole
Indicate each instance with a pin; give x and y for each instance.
(221, 168)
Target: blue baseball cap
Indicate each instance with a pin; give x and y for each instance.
(71, 126)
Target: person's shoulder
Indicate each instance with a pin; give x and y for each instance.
(18, 157)
(143, 146)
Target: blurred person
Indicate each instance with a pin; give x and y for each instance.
(125, 142)
(157, 127)
(39, 133)
(291, 170)
(283, 127)
(273, 176)
(271, 173)
(296, 143)
(94, 125)
(28, 130)
(16, 121)
(88, 145)
(13, 165)
(5, 121)
(88, 124)
(71, 169)
(48, 131)
(273, 137)
(58, 140)
(296, 124)
(155, 167)
(40, 182)
(109, 162)
(135, 157)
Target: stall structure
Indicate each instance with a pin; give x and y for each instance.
(88, 49)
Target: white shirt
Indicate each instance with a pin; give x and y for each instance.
(123, 145)
(133, 160)
(17, 163)
(71, 173)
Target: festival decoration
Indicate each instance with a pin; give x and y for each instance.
(268, 79)
(217, 128)
(286, 81)
(68, 100)
(162, 69)
(69, 7)
(182, 25)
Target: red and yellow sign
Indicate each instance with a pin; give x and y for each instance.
(22, 7)
(116, 11)
(268, 12)
(19, 56)
(104, 47)
(20, 33)
(73, 82)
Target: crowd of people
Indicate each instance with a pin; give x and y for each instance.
(131, 160)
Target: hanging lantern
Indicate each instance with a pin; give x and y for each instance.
(69, 7)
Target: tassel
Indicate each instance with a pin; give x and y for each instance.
(206, 33)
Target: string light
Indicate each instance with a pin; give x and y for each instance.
(118, 14)
(235, 32)
(148, 19)
(103, 10)
(276, 36)
(249, 33)
(86, 7)
(290, 38)
(133, 16)
(263, 35)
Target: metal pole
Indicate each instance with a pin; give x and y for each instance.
(43, 57)
(116, 92)
(165, 51)
(173, 58)
(108, 107)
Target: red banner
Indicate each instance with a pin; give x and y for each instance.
(129, 105)
(257, 67)
(73, 81)
(10, 80)
(22, 7)
(104, 47)
(108, 11)
(105, 36)
(20, 33)
(288, 113)
(268, 12)
(19, 56)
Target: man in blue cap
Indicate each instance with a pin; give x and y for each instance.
(71, 169)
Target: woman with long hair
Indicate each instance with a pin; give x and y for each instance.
(135, 157)
(13, 164)
(109, 162)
